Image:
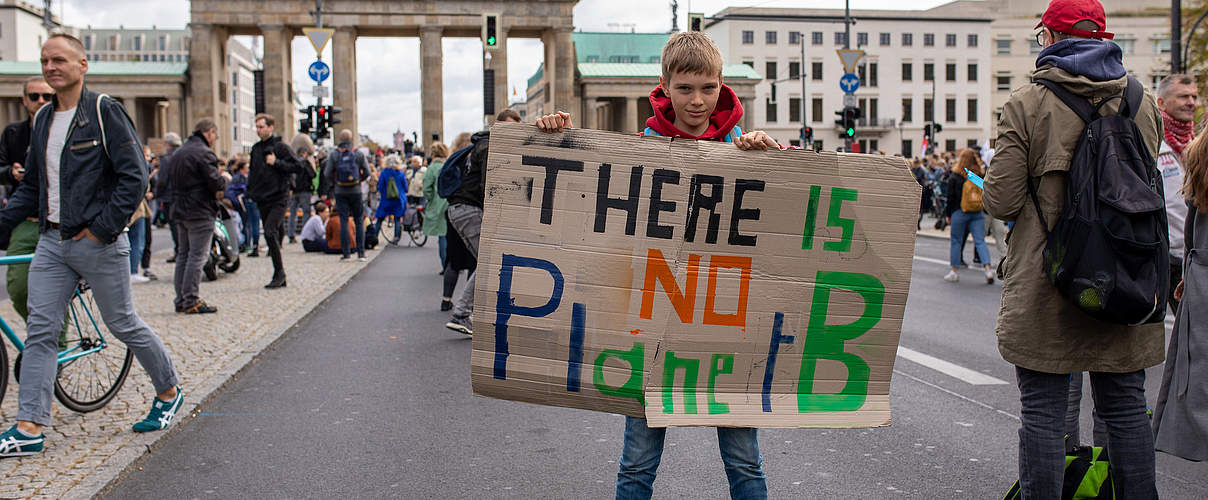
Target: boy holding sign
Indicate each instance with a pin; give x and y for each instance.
(690, 102)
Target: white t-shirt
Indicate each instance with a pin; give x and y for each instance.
(54, 153)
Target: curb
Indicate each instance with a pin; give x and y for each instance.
(132, 453)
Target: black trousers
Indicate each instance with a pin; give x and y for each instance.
(272, 214)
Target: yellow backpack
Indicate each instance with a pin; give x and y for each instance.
(971, 197)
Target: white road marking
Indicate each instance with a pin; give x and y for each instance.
(950, 369)
(941, 389)
(933, 261)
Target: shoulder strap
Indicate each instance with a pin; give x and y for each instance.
(101, 120)
(1132, 98)
(1079, 105)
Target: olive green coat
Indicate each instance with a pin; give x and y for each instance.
(1037, 328)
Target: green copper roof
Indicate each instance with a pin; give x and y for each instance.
(98, 68)
(654, 70)
(619, 47)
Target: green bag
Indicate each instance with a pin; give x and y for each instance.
(391, 190)
(1087, 476)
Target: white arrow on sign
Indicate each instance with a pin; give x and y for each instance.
(318, 37)
(850, 58)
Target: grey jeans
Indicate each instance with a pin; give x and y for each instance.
(298, 201)
(194, 237)
(467, 220)
(56, 268)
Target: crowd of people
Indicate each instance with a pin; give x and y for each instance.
(292, 190)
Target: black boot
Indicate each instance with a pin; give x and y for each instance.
(277, 282)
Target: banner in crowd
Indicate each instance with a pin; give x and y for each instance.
(690, 282)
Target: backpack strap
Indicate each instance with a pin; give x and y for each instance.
(100, 120)
(1132, 98)
(1079, 105)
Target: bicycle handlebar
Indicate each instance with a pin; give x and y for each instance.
(16, 259)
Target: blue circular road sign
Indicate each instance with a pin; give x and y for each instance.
(319, 71)
(849, 83)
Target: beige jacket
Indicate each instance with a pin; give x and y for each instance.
(1038, 329)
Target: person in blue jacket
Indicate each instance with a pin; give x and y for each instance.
(392, 202)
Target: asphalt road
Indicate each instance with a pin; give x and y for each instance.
(369, 397)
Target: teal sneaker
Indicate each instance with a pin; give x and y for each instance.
(17, 444)
(161, 413)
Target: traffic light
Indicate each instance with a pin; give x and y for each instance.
(937, 128)
(927, 131)
(696, 21)
(306, 123)
(332, 119)
(807, 136)
(490, 39)
(850, 113)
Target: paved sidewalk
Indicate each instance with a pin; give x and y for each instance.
(84, 452)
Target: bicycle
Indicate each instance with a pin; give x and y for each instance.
(91, 370)
(414, 229)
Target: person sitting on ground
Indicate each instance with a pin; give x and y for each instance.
(332, 233)
(314, 233)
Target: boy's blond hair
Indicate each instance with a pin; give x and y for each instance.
(690, 52)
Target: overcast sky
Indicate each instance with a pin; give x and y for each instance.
(388, 83)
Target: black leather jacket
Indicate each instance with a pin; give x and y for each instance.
(102, 180)
(270, 183)
(14, 142)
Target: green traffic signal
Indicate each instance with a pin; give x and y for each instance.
(851, 132)
(490, 40)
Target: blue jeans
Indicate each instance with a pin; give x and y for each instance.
(251, 224)
(1119, 399)
(138, 238)
(443, 245)
(963, 222)
(57, 266)
(644, 450)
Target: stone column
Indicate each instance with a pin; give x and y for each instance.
(207, 77)
(748, 113)
(563, 76)
(631, 115)
(499, 63)
(278, 81)
(161, 118)
(548, 42)
(431, 82)
(589, 114)
(344, 80)
(175, 119)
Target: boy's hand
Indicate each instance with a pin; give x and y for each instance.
(554, 123)
(755, 140)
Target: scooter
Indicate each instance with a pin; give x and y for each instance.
(224, 247)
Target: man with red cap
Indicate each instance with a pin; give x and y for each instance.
(1045, 336)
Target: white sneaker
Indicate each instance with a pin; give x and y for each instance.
(952, 277)
(138, 278)
(989, 276)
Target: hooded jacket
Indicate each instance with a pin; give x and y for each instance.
(723, 123)
(1037, 328)
(195, 180)
(102, 172)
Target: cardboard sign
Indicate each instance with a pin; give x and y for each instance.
(690, 282)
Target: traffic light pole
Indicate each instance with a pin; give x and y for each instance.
(805, 119)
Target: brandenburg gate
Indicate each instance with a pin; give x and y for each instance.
(279, 21)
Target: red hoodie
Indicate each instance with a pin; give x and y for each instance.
(725, 115)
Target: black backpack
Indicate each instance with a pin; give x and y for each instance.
(347, 171)
(1108, 252)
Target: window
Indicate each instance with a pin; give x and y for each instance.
(1033, 48)
(770, 110)
(872, 109)
(972, 72)
(907, 39)
(592, 59)
(1127, 45)
(818, 145)
(907, 110)
(907, 148)
(816, 38)
(950, 40)
(862, 72)
(928, 39)
(884, 39)
(872, 74)
(795, 109)
(138, 43)
(950, 110)
(972, 40)
(1003, 47)
(840, 38)
(769, 37)
(234, 78)
(748, 37)
(1003, 83)
(163, 42)
(861, 39)
(816, 109)
(928, 72)
(1161, 46)
(907, 72)
(88, 42)
(794, 69)
(770, 66)
(950, 72)
(794, 37)
(950, 145)
(816, 70)
(749, 63)
(928, 110)
(971, 113)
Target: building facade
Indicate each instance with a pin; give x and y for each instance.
(919, 66)
(242, 64)
(139, 45)
(22, 30)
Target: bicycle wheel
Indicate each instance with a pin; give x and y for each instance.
(3, 369)
(418, 237)
(388, 228)
(89, 382)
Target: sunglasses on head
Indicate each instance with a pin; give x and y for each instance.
(33, 96)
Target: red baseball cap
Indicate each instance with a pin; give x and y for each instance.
(1062, 15)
